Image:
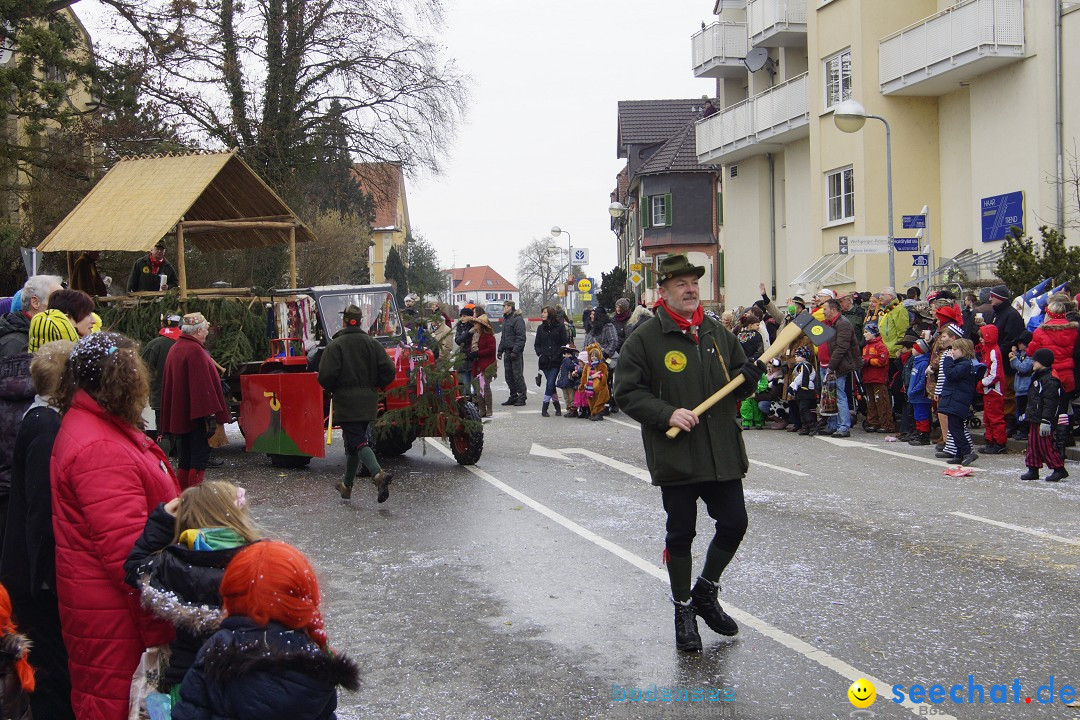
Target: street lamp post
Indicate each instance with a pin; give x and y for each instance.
(556, 231)
(850, 116)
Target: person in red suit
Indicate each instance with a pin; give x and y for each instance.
(992, 388)
(192, 403)
(107, 477)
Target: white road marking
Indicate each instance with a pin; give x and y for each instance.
(632, 426)
(844, 442)
(611, 462)
(781, 469)
(1018, 528)
(786, 639)
(546, 452)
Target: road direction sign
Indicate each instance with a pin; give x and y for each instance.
(914, 222)
(920, 261)
(586, 297)
(584, 285)
(579, 256)
(906, 244)
(864, 244)
(636, 278)
(636, 266)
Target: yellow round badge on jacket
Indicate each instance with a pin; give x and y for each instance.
(675, 361)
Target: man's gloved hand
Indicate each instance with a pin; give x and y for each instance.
(752, 371)
(1044, 429)
(211, 426)
(498, 356)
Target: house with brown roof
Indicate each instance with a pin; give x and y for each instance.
(672, 200)
(386, 183)
(481, 285)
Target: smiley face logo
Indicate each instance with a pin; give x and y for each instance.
(675, 361)
(862, 693)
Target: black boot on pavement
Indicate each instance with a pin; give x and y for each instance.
(381, 480)
(544, 410)
(1031, 474)
(687, 638)
(510, 401)
(920, 439)
(703, 597)
(1058, 475)
(558, 408)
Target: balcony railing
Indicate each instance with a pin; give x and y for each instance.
(934, 55)
(719, 50)
(756, 125)
(776, 23)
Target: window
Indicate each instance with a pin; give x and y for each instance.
(660, 210)
(837, 78)
(840, 185)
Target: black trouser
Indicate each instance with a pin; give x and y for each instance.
(355, 436)
(193, 449)
(514, 366)
(724, 503)
(39, 618)
(1021, 410)
(958, 430)
(806, 412)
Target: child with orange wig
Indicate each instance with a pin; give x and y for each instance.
(16, 675)
(271, 659)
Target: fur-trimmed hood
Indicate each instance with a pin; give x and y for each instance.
(15, 645)
(199, 620)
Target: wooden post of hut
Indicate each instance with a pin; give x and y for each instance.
(181, 263)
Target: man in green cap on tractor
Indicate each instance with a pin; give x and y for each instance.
(669, 364)
(353, 368)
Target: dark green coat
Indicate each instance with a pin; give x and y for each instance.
(649, 386)
(353, 367)
(154, 354)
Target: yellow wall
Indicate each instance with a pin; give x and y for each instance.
(383, 241)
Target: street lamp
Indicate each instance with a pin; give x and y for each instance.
(850, 116)
(556, 231)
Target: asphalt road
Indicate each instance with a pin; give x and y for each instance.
(531, 585)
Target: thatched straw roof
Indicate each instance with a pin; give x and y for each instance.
(140, 200)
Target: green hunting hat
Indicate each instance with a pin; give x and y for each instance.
(676, 265)
(352, 315)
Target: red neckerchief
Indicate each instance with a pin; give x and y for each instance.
(155, 265)
(170, 332)
(687, 326)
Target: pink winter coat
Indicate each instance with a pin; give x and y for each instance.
(106, 479)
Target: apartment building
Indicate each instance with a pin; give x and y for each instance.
(969, 90)
(386, 182)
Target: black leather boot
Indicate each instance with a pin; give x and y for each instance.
(558, 408)
(1031, 474)
(1058, 475)
(544, 410)
(703, 597)
(687, 638)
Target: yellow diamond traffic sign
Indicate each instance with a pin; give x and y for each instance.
(636, 278)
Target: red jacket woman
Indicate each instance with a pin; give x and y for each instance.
(1058, 334)
(107, 477)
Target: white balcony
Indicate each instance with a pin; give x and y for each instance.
(719, 50)
(935, 55)
(757, 125)
(776, 23)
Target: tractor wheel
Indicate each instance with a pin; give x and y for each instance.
(393, 443)
(288, 461)
(468, 445)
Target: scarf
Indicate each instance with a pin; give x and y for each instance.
(687, 326)
(155, 265)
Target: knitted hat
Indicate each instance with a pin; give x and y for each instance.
(872, 328)
(1001, 292)
(1044, 356)
(921, 347)
(1024, 338)
(48, 326)
(803, 352)
(955, 330)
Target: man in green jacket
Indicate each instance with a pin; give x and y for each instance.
(667, 365)
(353, 368)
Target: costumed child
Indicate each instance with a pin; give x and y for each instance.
(1043, 413)
(1022, 367)
(935, 381)
(750, 338)
(578, 376)
(752, 417)
(16, 674)
(804, 383)
(991, 387)
(962, 373)
(271, 659)
(916, 392)
(771, 401)
(178, 563)
(875, 377)
(594, 381)
(565, 382)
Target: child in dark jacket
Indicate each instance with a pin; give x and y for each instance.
(916, 392)
(565, 382)
(804, 384)
(962, 374)
(1021, 364)
(270, 660)
(1043, 410)
(178, 563)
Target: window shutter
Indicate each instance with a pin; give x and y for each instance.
(644, 212)
(719, 208)
(668, 213)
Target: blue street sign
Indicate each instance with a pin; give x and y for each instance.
(1001, 212)
(914, 222)
(920, 261)
(906, 244)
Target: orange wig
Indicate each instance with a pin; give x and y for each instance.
(7, 626)
(273, 581)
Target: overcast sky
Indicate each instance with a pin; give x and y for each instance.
(538, 145)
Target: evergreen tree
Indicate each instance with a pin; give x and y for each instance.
(612, 287)
(396, 274)
(424, 275)
(1019, 266)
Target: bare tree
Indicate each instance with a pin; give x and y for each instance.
(541, 269)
